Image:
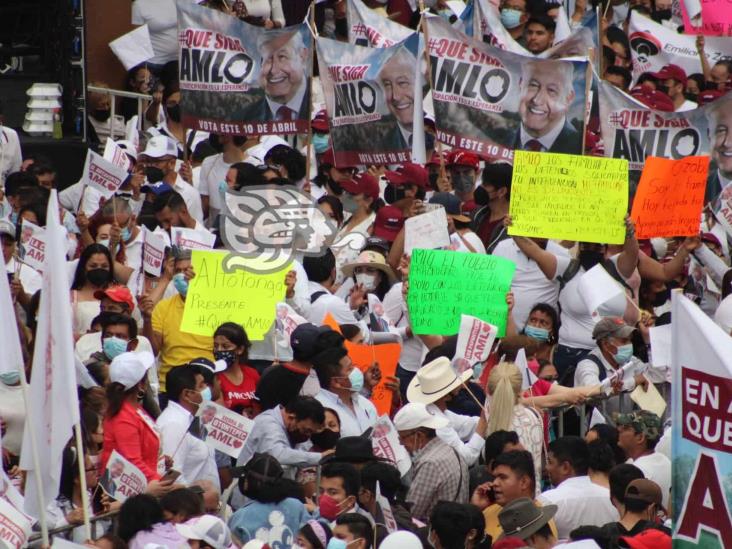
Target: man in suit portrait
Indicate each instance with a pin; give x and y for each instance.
(546, 96)
(207, 415)
(397, 81)
(719, 120)
(114, 471)
(284, 77)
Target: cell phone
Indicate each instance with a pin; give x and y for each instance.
(170, 474)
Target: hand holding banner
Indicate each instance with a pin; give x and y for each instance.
(191, 238)
(153, 252)
(102, 175)
(32, 246)
(427, 231)
(223, 429)
(122, 479)
(474, 344)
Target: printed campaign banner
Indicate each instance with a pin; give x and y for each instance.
(116, 155)
(102, 175)
(368, 28)
(491, 101)
(474, 343)
(153, 252)
(385, 441)
(121, 479)
(369, 96)
(632, 131)
(32, 248)
(223, 429)
(240, 79)
(701, 444)
(192, 239)
(15, 526)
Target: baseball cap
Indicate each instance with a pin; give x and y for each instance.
(320, 122)
(157, 188)
(401, 539)
(415, 415)
(389, 221)
(214, 367)
(362, 183)
(611, 326)
(461, 157)
(452, 205)
(642, 421)
(409, 174)
(304, 340)
(653, 99)
(6, 227)
(642, 489)
(129, 368)
(652, 538)
(328, 158)
(118, 294)
(128, 147)
(160, 146)
(707, 96)
(206, 528)
(671, 71)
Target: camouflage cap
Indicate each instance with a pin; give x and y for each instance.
(644, 422)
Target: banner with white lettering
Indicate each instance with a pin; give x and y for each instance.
(223, 429)
(632, 131)
(32, 246)
(701, 358)
(287, 320)
(474, 344)
(241, 79)
(153, 252)
(369, 96)
(368, 28)
(192, 239)
(102, 175)
(15, 526)
(385, 441)
(491, 101)
(121, 479)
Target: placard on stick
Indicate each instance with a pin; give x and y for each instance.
(569, 197)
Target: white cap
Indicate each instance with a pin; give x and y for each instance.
(160, 146)
(129, 147)
(415, 415)
(207, 528)
(401, 540)
(128, 369)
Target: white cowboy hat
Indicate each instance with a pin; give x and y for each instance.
(435, 380)
(370, 259)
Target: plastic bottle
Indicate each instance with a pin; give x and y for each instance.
(57, 132)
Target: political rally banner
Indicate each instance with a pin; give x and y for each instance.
(632, 131)
(385, 442)
(102, 175)
(122, 479)
(153, 252)
(709, 17)
(287, 320)
(222, 429)
(491, 101)
(116, 155)
(701, 362)
(240, 79)
(369, 96)
(15, 526)
(32, 246)
(653, 46)
(192, 239)
(368, 28)
(474, 343)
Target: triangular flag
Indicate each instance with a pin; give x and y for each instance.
(527, 376)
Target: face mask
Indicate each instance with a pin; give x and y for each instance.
(336, 543)
(320, 142)
(113, 346)
(102, 114)
(542, 334)
(206, 394)
(349, 203)
(623, 354)
(329, 509)
(356, 379)
(661, 297)
(393, 194)
(325, 439)
(126, 234)
(173, 113)
(510, 18)
(433, 179)
(181, 284)
(662, 88)
(153, 174)
(104, 242)
(98, 277)
(367, 280)
(223, 187)
(13, 378)
(481, 196)
(589, 258)
(662, 15)
(691, 96)
(463, 183)
(228, 356)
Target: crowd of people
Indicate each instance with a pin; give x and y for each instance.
(488, 464)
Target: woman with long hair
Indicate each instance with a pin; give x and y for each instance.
(93, 273)
(239, 380)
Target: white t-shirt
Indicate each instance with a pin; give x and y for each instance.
(162, 21)
(267, 9)
(529, 285)
(687, 106)
(395, 310)
(213, 171)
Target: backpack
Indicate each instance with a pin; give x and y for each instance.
(574, 267)
(314, 297)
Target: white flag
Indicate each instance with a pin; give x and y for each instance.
(102, 175)
(383, 503)
(596, 287)
(133, 48)
(527, 376)
(131, 133)
(9, 337)
(52, 388)
(116, 155)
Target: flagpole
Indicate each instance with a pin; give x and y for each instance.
(82, 480)
(309, 144)
(36, 462)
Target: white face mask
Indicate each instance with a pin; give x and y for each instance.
(368, 281)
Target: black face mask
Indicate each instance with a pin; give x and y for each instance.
(173, 113)
(433, 180)
(662, 88)
(297, 437)
(326, 439)
(98, 277)
(154, 174)
(481, 196)
(227, 356)
(691, 96)
(590, 258)
(661, 15)
(213, 140)
(661, 297)
(393, 194)
(102, 114)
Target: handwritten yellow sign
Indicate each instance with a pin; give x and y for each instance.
(569, 197)
(245, 297)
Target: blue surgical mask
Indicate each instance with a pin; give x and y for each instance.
(14, 218)
(206, 394)
(181, 284)
(113, 346)
(510, 18)
(10, 378)
(623, 354)
(542, 334)
(320, 142)
(126, 234)
(104, 242)
(223, 187)
(356, 379)
(336, 543)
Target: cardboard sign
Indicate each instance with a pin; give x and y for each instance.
(102, 175)
(116, 155)
(32, 248)
(192, 239)
(215, 296)
(385, 440)
(121, 479)
(568, 197)
(153, 252)
(474, 343)
(427, 231)
(223, 429)
(670, 197)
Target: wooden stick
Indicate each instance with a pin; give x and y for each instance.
(82, 480)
